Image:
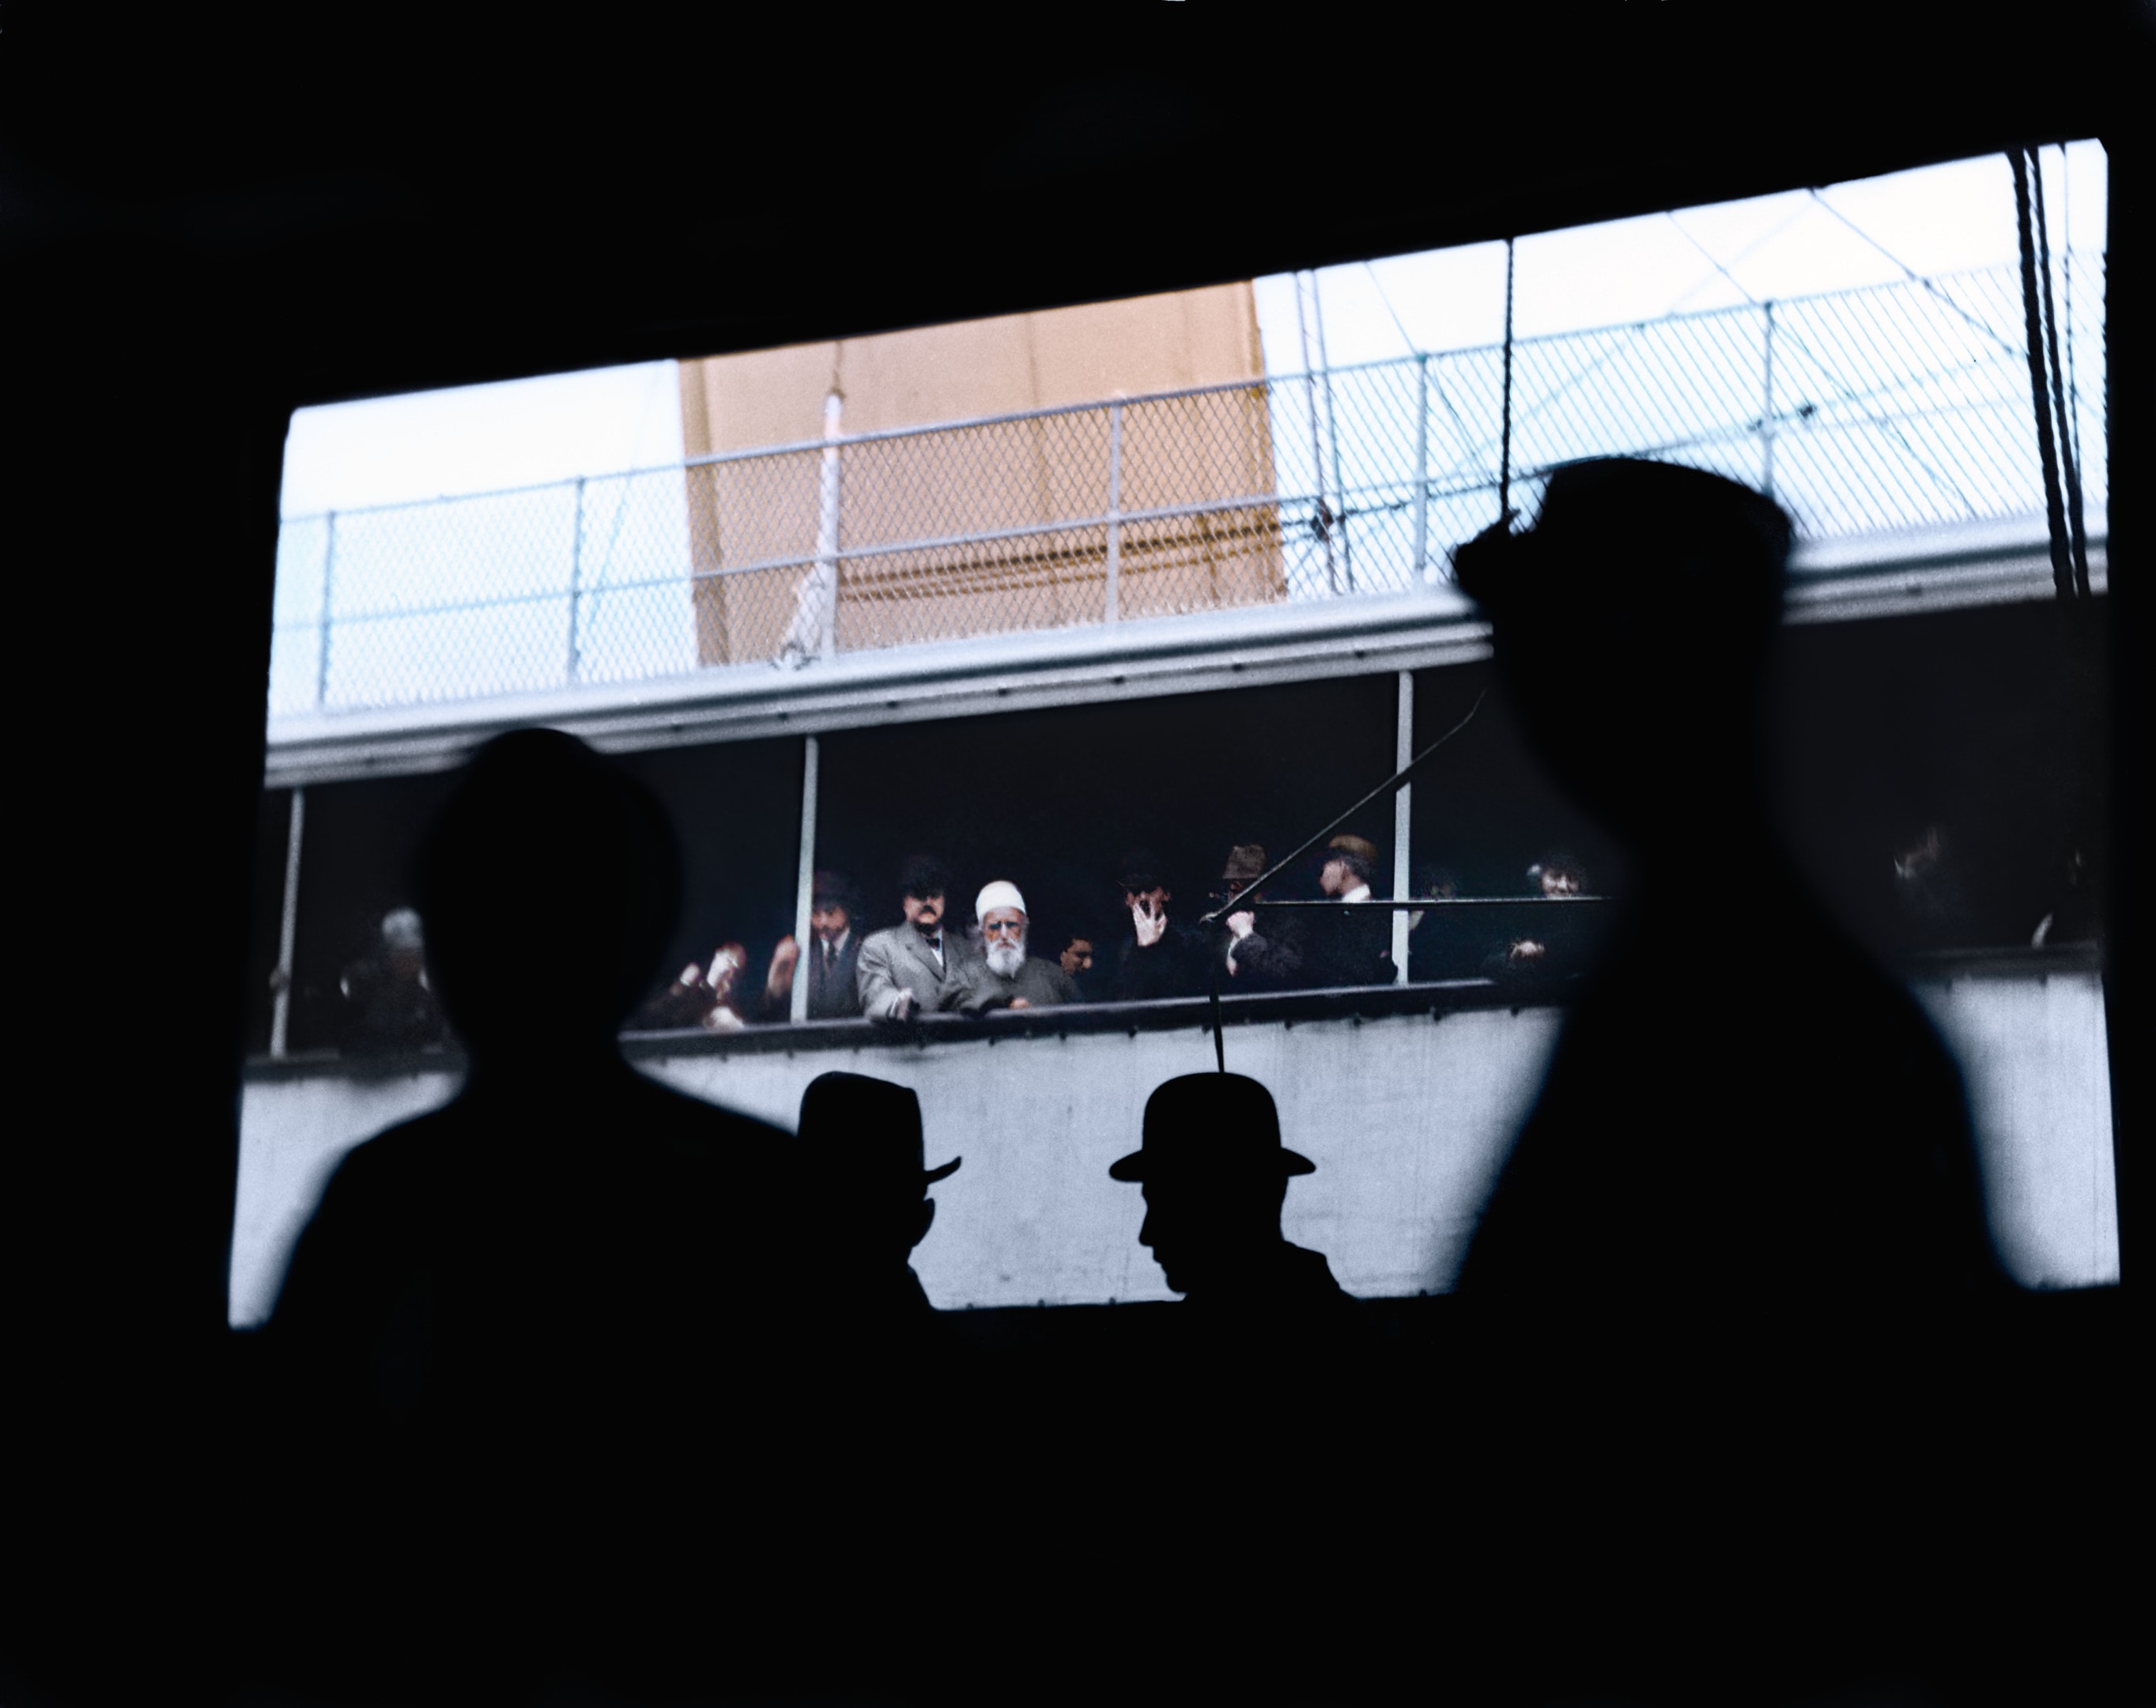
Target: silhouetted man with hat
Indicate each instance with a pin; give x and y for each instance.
(1787, 1139)
(1215, 1175)
(859, 1162)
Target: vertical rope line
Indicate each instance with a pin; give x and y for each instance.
(1505, 452)
(2032, 317)
(2077, 537)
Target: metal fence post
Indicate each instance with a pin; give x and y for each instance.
(287, 927)
(1422, 467)
(322, 649)
(827, 523)
(576, 573)
(1402, 756)
(1766, 407)
(804, 882)
(1115, 504)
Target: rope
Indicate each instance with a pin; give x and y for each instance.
(2079, 539)
(2062, 579)
(1505, 456)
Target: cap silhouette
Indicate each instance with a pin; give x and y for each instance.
(867, 1131)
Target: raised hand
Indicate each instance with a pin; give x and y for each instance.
(1149, 919)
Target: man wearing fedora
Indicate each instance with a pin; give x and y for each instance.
(1261, 951)
(1215, 1175)
(1793, 1141)
(859, 1155)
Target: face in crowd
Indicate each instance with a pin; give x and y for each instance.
(829, 920)
(924, 914)
(1003, 937)
(1078, 957)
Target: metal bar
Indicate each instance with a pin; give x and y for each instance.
(1417, 903)
(322, 654)
(288, 928)
(1766, 407)
(1422, 469)
(1403, 754)
(804, 880)
(827, 524)
(1114, 505)
(576, 573)
(1304, 308)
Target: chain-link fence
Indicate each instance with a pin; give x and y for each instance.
(1898, 406)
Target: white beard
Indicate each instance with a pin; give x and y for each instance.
(1005, 959)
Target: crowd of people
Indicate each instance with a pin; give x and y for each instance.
(936, 960)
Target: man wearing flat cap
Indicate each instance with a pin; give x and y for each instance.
(1215, 1176)
(1005, 975)
(1353, 947)
(859, 1159)
(1791, 1141)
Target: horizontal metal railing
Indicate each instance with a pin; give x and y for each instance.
(1894, 408)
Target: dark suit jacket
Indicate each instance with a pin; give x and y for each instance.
(835, 995)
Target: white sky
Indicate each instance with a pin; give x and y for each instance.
(1939, 219)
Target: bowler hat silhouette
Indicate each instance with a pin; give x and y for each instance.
(871, 1129)
(1210, 1124)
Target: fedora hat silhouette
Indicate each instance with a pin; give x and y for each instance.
(1210, 1126)
(871, 1129)
(1616, 530)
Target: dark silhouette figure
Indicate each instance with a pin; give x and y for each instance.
(859, 1158)
(516, 1327)
(1215, 1175)
(1793, 1136)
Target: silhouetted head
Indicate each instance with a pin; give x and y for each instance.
(548, 882)
(859, 1155)
(1215, 1175)
(1632, 624)
(403, 943)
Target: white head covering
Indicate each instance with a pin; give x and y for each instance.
(1001, 893)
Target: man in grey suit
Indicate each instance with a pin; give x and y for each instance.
(916, 968)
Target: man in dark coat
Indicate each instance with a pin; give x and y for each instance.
(834, 957)
(1215, 1176)
(1791, 1138)
(1160, 957)
(1257, 950)
(1354, 946)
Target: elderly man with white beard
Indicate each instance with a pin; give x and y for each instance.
(1006, 976)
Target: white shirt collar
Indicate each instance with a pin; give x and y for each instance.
(1361, 892)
